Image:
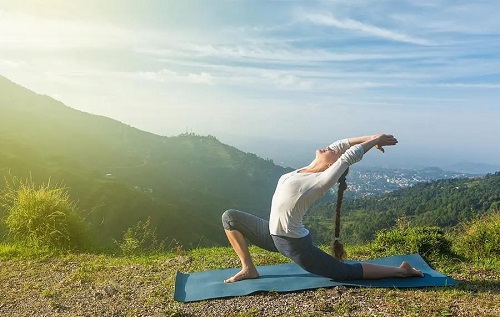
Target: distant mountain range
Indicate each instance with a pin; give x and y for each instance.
(472, 168)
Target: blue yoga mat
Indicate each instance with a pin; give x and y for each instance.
(290, 277)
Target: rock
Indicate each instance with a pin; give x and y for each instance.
(110, 290)
(98, 295)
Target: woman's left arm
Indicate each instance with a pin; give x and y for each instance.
(343, 145)
(330, 176)
(369, 141)
(360, 139)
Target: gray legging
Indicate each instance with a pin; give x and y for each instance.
(300, 250)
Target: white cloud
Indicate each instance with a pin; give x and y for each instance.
(466, 85)
(201, 78)
(167, 75)
(27, 32)
(11, 63)
(287, 81)
(159, 76)
(349, 24)
(272, 54)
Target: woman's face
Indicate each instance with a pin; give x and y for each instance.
(327, 156)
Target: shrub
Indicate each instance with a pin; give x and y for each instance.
(42, 216)
(140, 239)
(405, 240)
(479, 238)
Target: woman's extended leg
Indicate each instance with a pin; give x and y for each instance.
(240, 226)
(316, 261)
(373, 271)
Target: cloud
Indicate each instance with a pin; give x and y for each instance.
(202, 78)
(11, 63)
(287, 81)
(28, 32)
(271, 54)
(170, 76)
(349, 24)
(466, 85)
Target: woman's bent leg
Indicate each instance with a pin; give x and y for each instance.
(253, 228)
(240, 226)
(240, 246)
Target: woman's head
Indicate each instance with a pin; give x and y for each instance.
(325, 158)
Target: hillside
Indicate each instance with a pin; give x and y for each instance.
(120, 175)
(443, 203)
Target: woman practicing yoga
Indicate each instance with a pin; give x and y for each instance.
(285, 232)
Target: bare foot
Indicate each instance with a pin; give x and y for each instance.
(247, 273)
(407, 270)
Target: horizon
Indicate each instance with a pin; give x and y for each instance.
(278, 72)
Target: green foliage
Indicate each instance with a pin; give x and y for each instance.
(140, 239)
(479, 238)
(444, 203)
(41, 215)
(404, 239)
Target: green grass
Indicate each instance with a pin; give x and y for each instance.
(480, 238)
(60, 281)
(79, 283)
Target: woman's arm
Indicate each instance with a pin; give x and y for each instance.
(330, 176)
(360, 139)
(344, 144)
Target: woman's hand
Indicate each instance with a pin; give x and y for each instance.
(379, 141)
(384, 140)
(380, 148)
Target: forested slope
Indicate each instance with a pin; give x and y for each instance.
(444, 203)
(120, 175)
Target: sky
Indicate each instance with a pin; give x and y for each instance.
(275, 78)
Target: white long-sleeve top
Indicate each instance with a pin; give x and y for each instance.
(296, 191)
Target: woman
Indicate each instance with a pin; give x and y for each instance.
(285, 232)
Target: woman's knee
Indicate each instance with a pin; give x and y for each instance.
(228, 218)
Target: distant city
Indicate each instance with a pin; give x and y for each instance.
(364, 182)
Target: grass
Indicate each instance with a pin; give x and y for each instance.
(69, 284)
(41, 215)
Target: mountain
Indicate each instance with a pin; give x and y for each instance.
(120, 175)
(471, 167)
